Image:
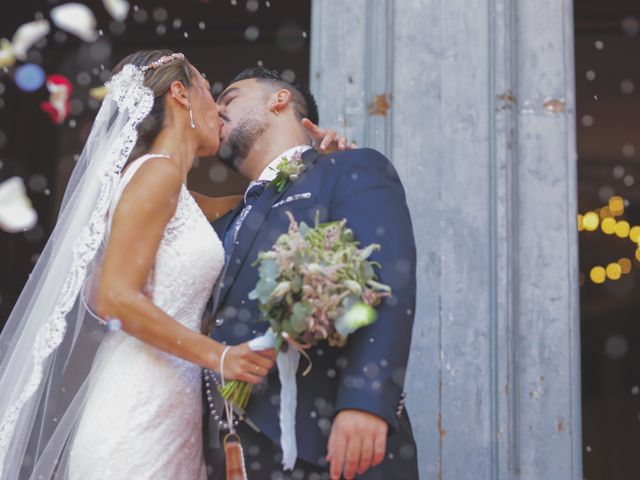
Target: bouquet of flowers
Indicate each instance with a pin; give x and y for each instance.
(316, 283)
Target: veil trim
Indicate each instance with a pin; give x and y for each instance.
(127, 90)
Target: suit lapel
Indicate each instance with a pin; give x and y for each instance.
(221, 225)
(249, 231)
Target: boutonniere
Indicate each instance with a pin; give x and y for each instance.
(289, 169)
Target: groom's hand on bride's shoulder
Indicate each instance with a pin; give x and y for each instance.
(357, 442)
(325, 140)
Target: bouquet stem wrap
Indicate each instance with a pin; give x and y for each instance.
(287, 367)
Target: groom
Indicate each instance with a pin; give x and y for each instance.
(350, 420)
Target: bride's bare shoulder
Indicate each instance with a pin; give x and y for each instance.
(155, 184)
(157, 174)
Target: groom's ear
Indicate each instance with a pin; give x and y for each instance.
(281, 99)
(179, 92)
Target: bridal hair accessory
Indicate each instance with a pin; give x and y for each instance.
(163, 60)
(128, 91)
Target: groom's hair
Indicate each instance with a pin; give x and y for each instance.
(304, 104)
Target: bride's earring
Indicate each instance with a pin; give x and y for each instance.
(193, 125)
(275, 109)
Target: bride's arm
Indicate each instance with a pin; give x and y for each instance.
(139, 221)
(215, 207)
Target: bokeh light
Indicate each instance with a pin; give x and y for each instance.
(591, 221)
(625, 265)
(29, 77)
(622, 229)
(616, 204)
(598, 274)
(608, 225)
(614, 271)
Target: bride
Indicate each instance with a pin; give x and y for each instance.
(132, 248)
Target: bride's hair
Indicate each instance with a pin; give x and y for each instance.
(159, 80)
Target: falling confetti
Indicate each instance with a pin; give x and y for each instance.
(99, 92)
(27, 35)
(77, 19)
(252, 33)
(118, 9)
(7, 57)
(289, 37)
(58, 106)
(627, 86)
(587, 120)
(288, 75)
(29, 77)
(160, 15)
(16, 211)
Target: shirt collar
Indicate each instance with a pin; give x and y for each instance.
(271, 171)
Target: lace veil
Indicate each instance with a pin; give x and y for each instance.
(46, 348)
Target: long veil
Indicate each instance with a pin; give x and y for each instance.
(46, 348)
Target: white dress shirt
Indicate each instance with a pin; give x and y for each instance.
(271, 171)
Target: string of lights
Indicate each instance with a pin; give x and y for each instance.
(606, 220)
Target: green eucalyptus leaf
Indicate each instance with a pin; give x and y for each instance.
(379, 286)
(367, 271)
(263, 290)
(349, 301)
(269, 269)
(298, 315)
(296, 284)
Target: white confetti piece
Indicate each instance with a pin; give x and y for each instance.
(27, 35)
(77, 19)
(16, 211)
(118, 9)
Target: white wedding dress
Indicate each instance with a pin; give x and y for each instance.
(143, 414)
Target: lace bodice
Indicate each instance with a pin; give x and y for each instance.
(189, 258)
(144, 410)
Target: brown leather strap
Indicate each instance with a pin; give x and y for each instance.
(234, 457)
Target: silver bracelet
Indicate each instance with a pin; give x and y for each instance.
(224, 354)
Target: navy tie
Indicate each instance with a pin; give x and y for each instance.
(250, 197)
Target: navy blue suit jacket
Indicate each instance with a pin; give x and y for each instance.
(368, 374)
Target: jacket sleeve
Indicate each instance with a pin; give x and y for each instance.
(373, 364)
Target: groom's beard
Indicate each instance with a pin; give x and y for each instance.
(234, 151)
